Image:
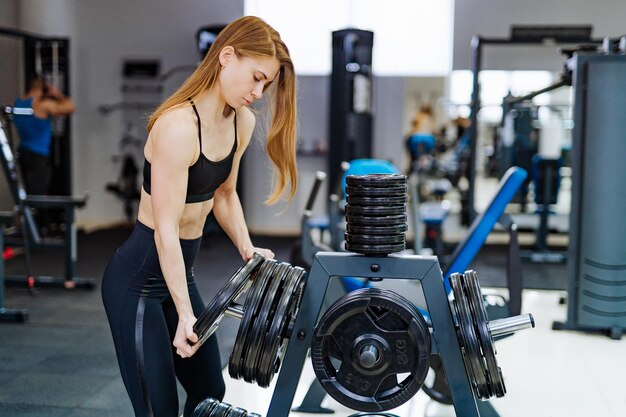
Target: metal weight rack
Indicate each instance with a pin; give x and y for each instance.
(444, 337)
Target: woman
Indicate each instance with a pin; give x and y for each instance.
(194, 147)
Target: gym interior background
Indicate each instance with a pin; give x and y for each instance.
(61, 361)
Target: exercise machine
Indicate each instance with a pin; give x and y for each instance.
(521, 35)
(596, 271)
(30, 233)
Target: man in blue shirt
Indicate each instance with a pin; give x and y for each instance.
(35, 132)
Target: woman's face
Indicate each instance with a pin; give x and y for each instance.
(243, 79)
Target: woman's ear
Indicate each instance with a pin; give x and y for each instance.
(226, 55)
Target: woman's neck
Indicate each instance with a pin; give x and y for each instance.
(211, 105)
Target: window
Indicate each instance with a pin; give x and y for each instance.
(411, 37)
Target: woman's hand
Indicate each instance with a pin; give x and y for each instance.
(247, 253)
(184, 336)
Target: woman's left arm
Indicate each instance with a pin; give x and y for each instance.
(226, 203)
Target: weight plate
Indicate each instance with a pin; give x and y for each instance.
(375, 239)
(374, 249)
(376, 180)
(376, 191)
(436, 386)
(274, 342)
(376, 210)
(237, 412)
(205, 408)
(376, 230)
(364, 342)
(376, 221)
(471, 350)
(358, 200)
(262, 322)
(212, 314)
(221, 410)
(481, 322)
(252, 305)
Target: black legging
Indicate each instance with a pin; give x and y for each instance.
(143, 322)
(36, 171)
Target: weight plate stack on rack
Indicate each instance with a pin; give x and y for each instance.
(376, 220)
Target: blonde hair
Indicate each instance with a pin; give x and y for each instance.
(250, 36)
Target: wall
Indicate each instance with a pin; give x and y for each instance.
(493, 18)
(9, 78)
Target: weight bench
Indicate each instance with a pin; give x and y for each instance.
(31, 238)
(460, 261)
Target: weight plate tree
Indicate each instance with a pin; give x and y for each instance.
(371, 349)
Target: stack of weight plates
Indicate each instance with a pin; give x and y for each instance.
(376, 220)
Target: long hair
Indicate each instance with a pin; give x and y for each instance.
(251, 37)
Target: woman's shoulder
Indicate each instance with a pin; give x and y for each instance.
(178, 121)
(245, 123)
(245, 118)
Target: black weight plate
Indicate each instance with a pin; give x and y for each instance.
(376, 180)
(262, 322)
(237, 412)
(221, 410)
(376, 191)
(379, 318)
(439, 390)
(376, 230)
(251, 310)
(477, 305)
(296, 300)
(375, 239)
(205, 408)
(272, 352)
(374, 249)
(375, 221)
(210, 317)
(471, 350)
(358, 200)
(376, 210)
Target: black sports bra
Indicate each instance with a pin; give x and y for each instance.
(205, 176)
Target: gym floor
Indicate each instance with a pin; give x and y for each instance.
(62, 362)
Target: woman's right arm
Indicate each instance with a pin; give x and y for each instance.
(173, 148)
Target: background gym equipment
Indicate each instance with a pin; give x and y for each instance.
(49, 58)
(521, 35)
(350, 135)
(596, 292)
(141, 90)
(17, 315)
(30, 234)
(547, 181)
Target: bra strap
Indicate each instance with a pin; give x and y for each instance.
(199, 122)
